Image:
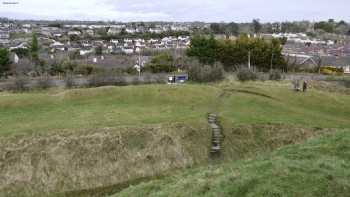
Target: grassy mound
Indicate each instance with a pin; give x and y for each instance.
(67, 141)
(319, 167)
(236, 103)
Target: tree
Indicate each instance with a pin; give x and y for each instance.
(163, 62)
(21, 52)
(34, 48)
(204, 49)
(217, 28)
(256, 26)
(283, 40)
(232, 29)
(39, 64)
(74, 38)
(4, 61)
(99, 50)
(58, 25)
(325, 26)
(341, 27)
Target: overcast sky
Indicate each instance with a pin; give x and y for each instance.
(177, 10)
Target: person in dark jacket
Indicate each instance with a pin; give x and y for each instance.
(305, 85)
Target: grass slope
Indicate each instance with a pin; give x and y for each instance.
(236, 103)
(72, 129)
(319, 167)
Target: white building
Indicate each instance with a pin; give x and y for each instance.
(77, 33)
(347, 69)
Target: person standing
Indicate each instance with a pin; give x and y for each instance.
(305, 86)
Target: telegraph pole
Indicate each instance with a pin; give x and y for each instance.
(249, 56)
(271, 65)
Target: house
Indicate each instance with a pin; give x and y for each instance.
(128, 49)
(130, 30)
(23, 45)
(57, 46)
(4, 35)
(339, 62)
(115, 42)
(302, 61)
(86, 51)
(74, 33)
(346, 69)
(90, 32)
(155, 30)
(114, 30)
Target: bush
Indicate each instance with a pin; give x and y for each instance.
(69, 81)
(200, 73)
(275, 75)
(69, 66)
(106, 79)
(244, 74)
(161, 63)
(44, 82)
(20, 84)
(85, 69)
(329, 70)
(347, 83)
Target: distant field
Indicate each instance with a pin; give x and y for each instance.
(236, 103)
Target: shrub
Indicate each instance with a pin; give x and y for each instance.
(69, 66)
(275, 75)
(347, 83)
(131, 71)
(20, 84)
(330, 70)
(159, 78)
(85, 69)
(245, 74)
(200, 73)
(44, 82)
(106, 79)
(161, 63)
(57, 68)
(69, 81)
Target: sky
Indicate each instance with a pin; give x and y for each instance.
(177, 10)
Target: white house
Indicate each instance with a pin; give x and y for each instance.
(4, 35)
(77, 33)
(58, 46)
(114, 30)
(86, 51)
(128, 50)
(130, 30)
(347, 69)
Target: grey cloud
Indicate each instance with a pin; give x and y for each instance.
(179, 10)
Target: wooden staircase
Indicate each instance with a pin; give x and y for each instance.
(217, 136)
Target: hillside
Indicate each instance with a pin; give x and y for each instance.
(236, 103)
(85, 141)
(319, 167)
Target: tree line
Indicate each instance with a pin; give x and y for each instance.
(263, 54)
(232, 28)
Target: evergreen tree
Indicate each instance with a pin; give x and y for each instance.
(4, 62)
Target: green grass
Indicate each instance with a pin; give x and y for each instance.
(48, 111)
(257, 117)
(102, 107)
(319, 167)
